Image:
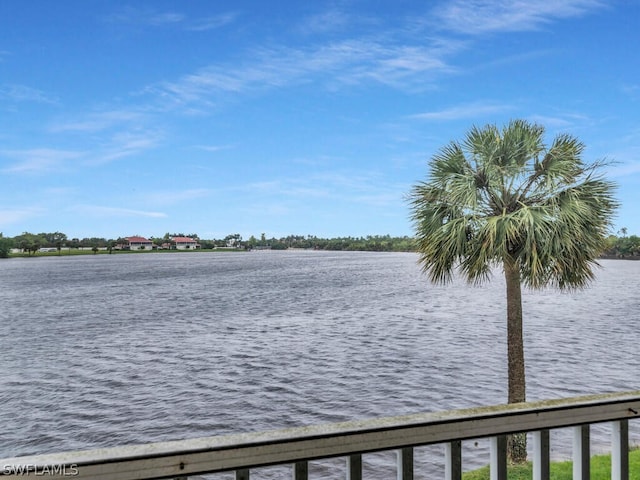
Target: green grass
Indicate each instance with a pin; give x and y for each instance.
(74, 252)
(600, 469)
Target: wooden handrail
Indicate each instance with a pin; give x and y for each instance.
(179, 459)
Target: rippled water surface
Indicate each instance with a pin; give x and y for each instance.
(123, 349)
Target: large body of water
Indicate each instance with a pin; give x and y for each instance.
(123, 349)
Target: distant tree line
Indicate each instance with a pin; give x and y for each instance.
(372, 243)
(31, 243)
(619, 246)
(623, 246)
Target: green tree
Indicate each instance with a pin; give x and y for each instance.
(29, 242)
(51, 239)
(5, 246)
(94, 242)
(503, 197)
(252, 242)
(627, 246)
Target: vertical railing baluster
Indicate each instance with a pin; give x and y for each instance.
(453, 460)
(620, 450)
(405, 463)
(354, 467)
(498, 457)
(541, 455)
(301, 471)
(581, 453)
(242, 474)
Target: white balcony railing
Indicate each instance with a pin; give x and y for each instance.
(298, 446)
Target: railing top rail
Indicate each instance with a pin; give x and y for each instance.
(245, 450)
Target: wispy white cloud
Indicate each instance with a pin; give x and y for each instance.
(624, 170)
(481, 16)
(97, 121)
(625, 153)
(565, 120)
(116, 212)
(125, 144)
(144, 17)
(214, 148)
(150, 17)
(519, 58)
(398, 57)
(45, 160)
(165, 18)
(119, 133)
(22, 93)
(213, 22)
(459, 112)
(324, 22)
(344, 187)
(11, 216)
(39, 160)
(349, 62)
(633, 91)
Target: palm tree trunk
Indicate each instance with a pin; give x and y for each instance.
(517, 445)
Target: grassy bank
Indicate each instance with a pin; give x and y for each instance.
(74, 252)
(600, 469)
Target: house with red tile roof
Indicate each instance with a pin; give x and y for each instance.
(185, 243)
(139, 243)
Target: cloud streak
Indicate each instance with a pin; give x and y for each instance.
(126, 144)
(22, 93)
(459, 112)
(45, 160)
(39, 160)
(324, 22)
(214, 148)
(399, 58)
(473, 17)
(98, 121)
(147, 17)
(117, 212)
(329, 187)
(212, 23)
(11, 216)
(346, 63)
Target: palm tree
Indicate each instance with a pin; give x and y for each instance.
(502, 197)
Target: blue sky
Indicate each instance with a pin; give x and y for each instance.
(290, 117)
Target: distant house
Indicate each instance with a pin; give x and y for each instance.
(185, 243)
(139, 243)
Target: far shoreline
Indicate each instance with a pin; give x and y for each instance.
(67, 252)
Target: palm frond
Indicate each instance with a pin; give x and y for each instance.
(502, 193)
